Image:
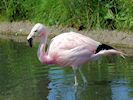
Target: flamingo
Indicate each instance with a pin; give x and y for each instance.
(69, 49)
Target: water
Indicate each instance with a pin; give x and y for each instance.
(22, 77)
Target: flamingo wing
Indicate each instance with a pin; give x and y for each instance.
(72, 48)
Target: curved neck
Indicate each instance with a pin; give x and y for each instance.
(41, 49)
(42, 55)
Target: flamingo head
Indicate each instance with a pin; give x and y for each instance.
(38, 29)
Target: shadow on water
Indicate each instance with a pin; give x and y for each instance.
(22, 77)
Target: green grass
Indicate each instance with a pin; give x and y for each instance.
(85, 14)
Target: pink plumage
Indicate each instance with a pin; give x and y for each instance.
(72, 49)
(69, 49)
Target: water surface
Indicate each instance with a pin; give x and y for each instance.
(22, 77)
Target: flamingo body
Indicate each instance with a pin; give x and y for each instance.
(69, 49)
(72, 49)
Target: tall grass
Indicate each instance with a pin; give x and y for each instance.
(92, 14)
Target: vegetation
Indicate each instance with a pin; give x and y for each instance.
(110, 14)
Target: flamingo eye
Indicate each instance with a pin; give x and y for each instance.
(35, 33)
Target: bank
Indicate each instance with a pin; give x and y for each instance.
(19, 31)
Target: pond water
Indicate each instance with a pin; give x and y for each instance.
(22, 77)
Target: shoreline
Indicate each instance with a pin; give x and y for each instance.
(22, 29)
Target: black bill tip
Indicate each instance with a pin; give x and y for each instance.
(30, 42)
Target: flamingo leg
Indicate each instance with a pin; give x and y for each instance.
(83, 77)
(75, 77)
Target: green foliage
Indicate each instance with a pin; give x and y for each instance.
(17, 9)
(110, 14)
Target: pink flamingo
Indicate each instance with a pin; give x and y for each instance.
(69, 49)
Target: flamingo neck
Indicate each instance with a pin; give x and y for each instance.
(42, 55)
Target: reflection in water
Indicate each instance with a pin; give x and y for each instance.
(61, 85)
(22, 77)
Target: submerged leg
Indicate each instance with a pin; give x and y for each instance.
(75, 77)
(83, 77)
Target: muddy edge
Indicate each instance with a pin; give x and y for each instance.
(19, 29)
